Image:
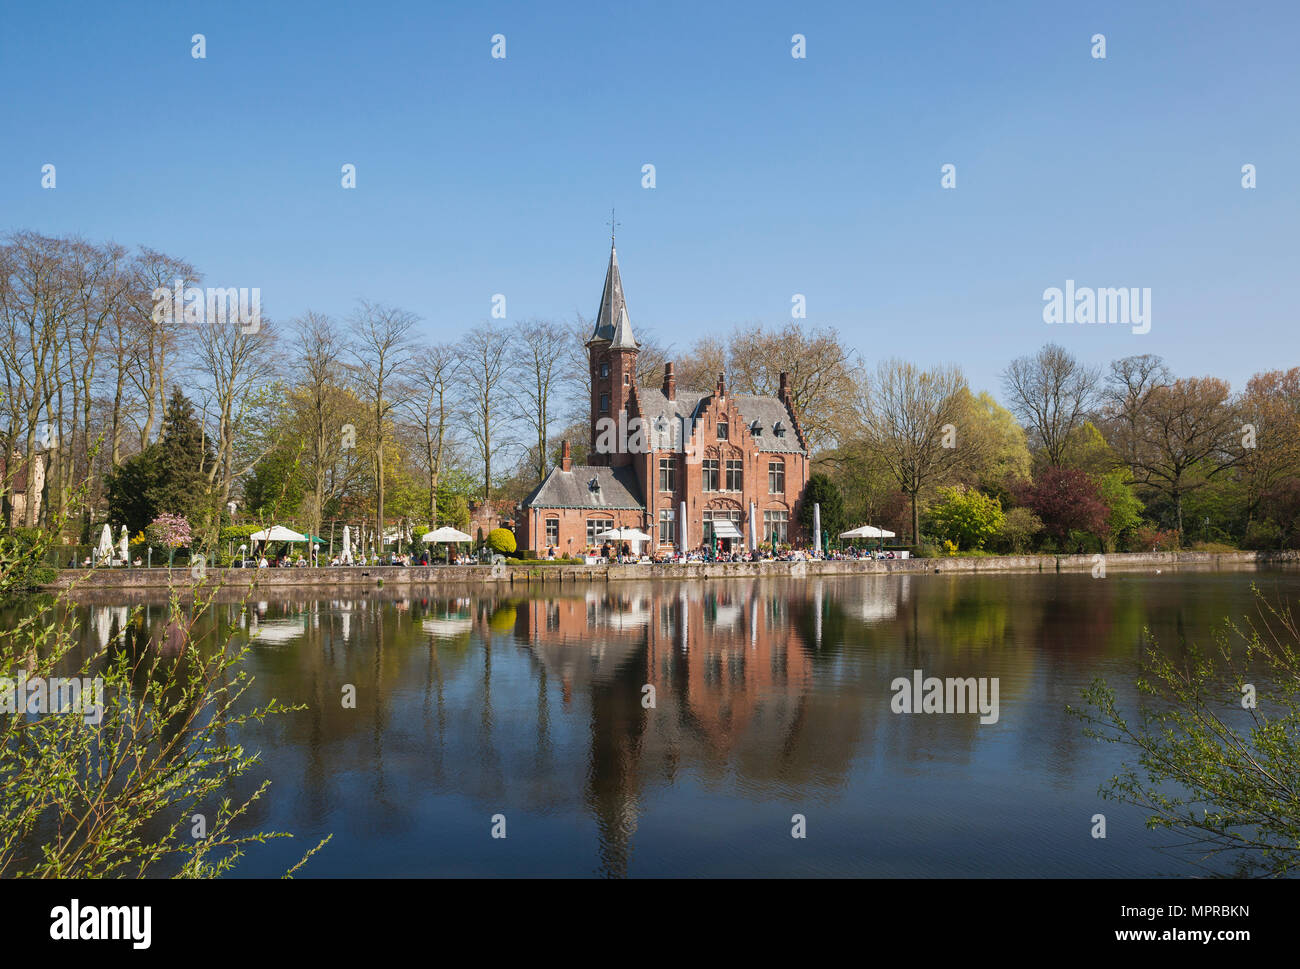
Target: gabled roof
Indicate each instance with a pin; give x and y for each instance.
(612, 322)
(617, 489)
(767, 412)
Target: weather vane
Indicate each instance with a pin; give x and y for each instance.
(613, 226)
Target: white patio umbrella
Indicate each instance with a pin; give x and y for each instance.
(633, 536)
(867, 531)
(124, 547)
(277, 533)
(347, 544)
(625, 535)
(105, 549)
(445, 534)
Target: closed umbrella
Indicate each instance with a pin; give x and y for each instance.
(105, 549)
(124, 547)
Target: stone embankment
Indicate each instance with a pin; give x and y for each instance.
(271, 580)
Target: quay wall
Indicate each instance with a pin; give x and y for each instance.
(545, 575)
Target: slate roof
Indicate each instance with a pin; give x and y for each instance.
(767, 411)
(612, 322)
(618, 489)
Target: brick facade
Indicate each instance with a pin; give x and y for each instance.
(762, 446)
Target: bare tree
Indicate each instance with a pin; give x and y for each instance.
(1127, 390)
(430, 406)
(910, 417)
(1270, 435)
(1052, 393)
(35, 307)
(1188, 432)
(323, 408)
(382, 348)
(234, 363)
(540, 345)
(159, 329)
(486, 350)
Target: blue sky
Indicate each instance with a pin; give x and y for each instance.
(775, 176)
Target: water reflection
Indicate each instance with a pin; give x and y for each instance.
(770, 697)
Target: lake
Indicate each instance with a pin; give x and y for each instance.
(771, 698)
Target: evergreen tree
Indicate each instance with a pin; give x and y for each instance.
(128, 488)
(823, 491)
(181, 486)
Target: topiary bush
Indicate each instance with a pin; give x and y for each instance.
(502, 540)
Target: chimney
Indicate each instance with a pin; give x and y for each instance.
(785, 385)
(722, 384)
(670, 382)
(566, 458)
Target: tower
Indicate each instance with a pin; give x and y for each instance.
(612, 352)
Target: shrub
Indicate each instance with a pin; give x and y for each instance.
(502, 540)
(1149, 538)
(965, 517)
(1019, 527)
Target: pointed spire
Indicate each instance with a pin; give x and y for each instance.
(612, 322)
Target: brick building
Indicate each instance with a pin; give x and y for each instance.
(723, 459)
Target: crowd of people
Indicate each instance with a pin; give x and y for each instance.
(625, 554)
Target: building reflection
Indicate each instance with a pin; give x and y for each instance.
(536, 704)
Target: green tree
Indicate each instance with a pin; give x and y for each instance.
(130, 488)
(180, 487)
(965, 516)
(822, 491)
(277, 485)
(998, 450)
(1124, 510)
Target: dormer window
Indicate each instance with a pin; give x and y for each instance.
(593, 485)
(756, 429)
(779, 428)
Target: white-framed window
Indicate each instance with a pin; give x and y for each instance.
(667, 534)
(776, 477)
(776, 526)
(598, 526)
(552, 531)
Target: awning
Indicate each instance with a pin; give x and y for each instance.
(726, 528)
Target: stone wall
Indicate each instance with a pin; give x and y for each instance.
(522, 575)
